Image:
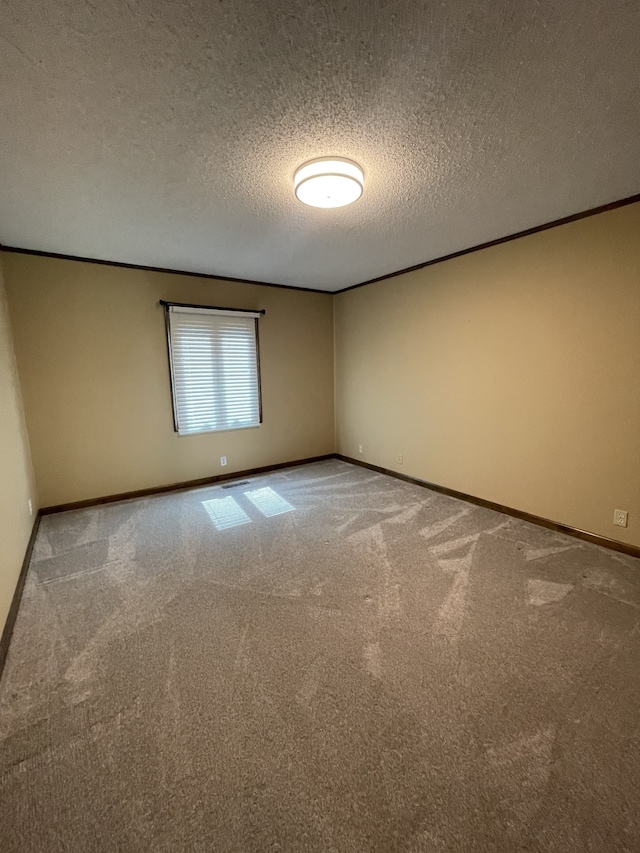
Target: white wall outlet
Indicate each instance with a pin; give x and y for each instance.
(30, 508)
(400, 459)
(360, 449)
(223, 460)
(620, 517)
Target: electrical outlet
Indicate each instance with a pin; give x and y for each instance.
(400, 459)
(30, 508)
(360, 450)
(620, 517)
(223, 460)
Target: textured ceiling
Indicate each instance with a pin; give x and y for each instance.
(166, 132)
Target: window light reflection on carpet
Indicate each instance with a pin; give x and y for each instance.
(225, 512)
(269, 502)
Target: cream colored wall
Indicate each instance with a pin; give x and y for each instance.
(16, 477)
(511, 374)
(92, 356)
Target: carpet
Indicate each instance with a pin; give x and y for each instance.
(321, 659)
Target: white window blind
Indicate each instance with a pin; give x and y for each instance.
(214, 368)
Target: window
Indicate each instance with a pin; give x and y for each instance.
(214, 363)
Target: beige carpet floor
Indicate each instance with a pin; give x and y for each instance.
(322, 659)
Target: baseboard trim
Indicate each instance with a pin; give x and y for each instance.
(595, 539)
(184, 486)
(17, 596)
(585, 535)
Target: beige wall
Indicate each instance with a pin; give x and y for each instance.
(16, 479)
(511, 374)
(92, 356)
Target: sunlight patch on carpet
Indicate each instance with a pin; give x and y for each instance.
(269, 502)
(225, 512)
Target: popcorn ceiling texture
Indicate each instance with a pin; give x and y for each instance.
(167, 134)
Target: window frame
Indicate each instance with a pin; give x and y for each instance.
(204, 309)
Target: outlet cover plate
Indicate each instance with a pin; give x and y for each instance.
(620, 517)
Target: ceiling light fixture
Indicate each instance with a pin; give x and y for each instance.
(329, 182)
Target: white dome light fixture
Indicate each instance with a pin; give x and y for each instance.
(329, 182)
